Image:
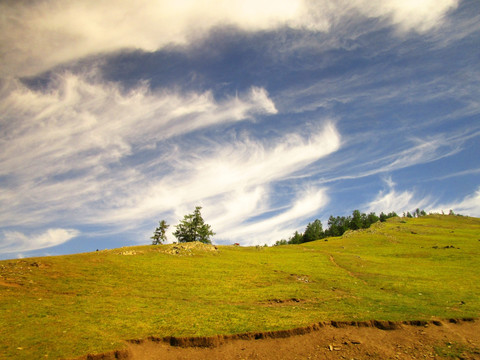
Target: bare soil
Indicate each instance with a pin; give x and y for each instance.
(449, 339)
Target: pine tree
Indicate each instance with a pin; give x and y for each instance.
(356, 221)
(193, 228)
(297, 238)
(313, 231)
(159, 236)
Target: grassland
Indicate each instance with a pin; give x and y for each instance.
(404, 269)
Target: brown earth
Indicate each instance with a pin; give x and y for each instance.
(449, 339)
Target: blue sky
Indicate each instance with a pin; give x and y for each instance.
(268, 114)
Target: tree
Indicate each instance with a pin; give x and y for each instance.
(372, 218)
(297, 238)
(159, 236)
(337, 225)
(333, 226)
(392, 214)
(313, 231)
(383, 217)
(417, 212)
(356, 221)
(193, 228)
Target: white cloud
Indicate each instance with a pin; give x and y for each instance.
(470, 205)
(280, 226)
(392, 200)
(424, 150)
(35, 36)
(70, 142)
(98, 122)
(14, 241)
(409, 15)
(84, 152)
(228, 172)
(400, 202)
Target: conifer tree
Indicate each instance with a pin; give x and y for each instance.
(193, 228)
(159, 236)
(313, 231)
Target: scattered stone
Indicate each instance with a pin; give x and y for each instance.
(188, 249)
(128, 252)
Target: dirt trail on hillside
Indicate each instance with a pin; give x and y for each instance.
(332, 260)
(370, 340)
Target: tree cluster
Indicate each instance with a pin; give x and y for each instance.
(191, 228)
(416, 213)
(336, 226)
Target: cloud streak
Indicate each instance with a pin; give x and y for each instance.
(91, 124)
(14, 241)
(470, 205)
(308, 202)
(56, 32)
(231, 173)
(403, 201)
(392, 200)
(73, 138)
(88, 151)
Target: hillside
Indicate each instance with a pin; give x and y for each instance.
(405, 269)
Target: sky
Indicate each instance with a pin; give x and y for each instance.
(268, 114)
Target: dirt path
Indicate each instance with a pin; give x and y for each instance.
(332, 260)
(445, 340)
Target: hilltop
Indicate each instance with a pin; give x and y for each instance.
(405, 269)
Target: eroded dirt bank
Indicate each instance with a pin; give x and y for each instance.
(450, 339)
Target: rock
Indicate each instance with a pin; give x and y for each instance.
(188, 249)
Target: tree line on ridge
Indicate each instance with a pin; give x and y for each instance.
(193, 227)
(338, 225)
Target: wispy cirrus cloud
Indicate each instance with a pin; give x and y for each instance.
(77, 124)
(15, 241)
(234, 176)
(86, 152)
(282, 225)
(391, 199)
(398, 201)
(73, 138)
(470, 205)
(379, 160)
(55, 32)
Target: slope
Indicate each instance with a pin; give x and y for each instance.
(404, 269)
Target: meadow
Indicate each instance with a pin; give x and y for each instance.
(403, 269)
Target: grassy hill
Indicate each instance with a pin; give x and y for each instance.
(404, 269)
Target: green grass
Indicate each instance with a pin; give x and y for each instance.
(455, 351)
(68, 306)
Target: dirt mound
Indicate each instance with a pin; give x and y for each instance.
(217, 340)
(188, 249)
(449, 339)
(331, 340)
